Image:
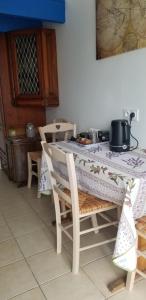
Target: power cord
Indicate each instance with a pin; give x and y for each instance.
(132, 115)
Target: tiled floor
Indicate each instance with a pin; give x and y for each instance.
(30, 269)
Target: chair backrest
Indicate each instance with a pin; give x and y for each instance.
(60, 136)
(64, 188)
(60, 120)
(56, 128)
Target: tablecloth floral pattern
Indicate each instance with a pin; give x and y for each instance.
(116, 177)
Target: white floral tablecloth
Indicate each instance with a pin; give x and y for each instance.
(116, 177)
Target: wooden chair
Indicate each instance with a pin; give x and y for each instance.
(55, 128)
(34, 158)
(59, 136)
(34, 165)
(60, 120)
(141, 253)
(81, 204)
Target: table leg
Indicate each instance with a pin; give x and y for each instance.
(130, 280)
(123, 282)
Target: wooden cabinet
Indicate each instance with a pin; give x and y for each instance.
(3, 156)
(17, 148)
(13, 116)
(33, 67)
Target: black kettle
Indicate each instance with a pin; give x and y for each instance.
(120, 136)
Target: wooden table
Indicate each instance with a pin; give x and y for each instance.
(116, 177)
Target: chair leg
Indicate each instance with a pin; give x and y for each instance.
(131, 275)
(94, 223)
(58, 228)
(76, 246)
(130, 280)
(29, 171)
(39, 173)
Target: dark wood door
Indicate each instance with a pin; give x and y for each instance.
(11, 116)
(33, 67)
(14, 117)
(3, 156)
(2, 128)
(2, 139)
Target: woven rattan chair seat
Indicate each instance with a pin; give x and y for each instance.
(89, 203)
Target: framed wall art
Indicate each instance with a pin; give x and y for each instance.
(120, 26)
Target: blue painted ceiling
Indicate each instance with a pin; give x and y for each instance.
(19, 14)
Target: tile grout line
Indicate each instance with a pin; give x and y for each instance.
(13, 262)
(45, 223)
(23, 293)
(68, 254)
(24, 234)
(24, 259)
(36, 213)
(52, 231)
(39, 253)
(93, 260)
(54, 278)
(51, 249)
(47, 250)
(93, 282)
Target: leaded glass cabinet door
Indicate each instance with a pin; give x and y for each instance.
(27, 64)
(32, 67)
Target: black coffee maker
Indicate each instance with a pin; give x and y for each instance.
(120, 136)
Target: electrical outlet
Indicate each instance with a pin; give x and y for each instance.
(127, 112)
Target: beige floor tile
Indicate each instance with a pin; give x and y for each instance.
(9, 252)
(138, 293)
(21, 225)
(15, 279)
(29, 194)
(47, 219)
(43, 207)
(7, 188)
(48, 265)
(94, 253)
(89, 239)
(5, 233)
(36, 241)
(7, 199)
(10, 195)
(102, 272)
(2, 221)
(72, 287)
(108, 232)
(34, 294)
(47, 214)
(19, 208)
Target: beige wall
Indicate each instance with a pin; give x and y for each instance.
(94, 92)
